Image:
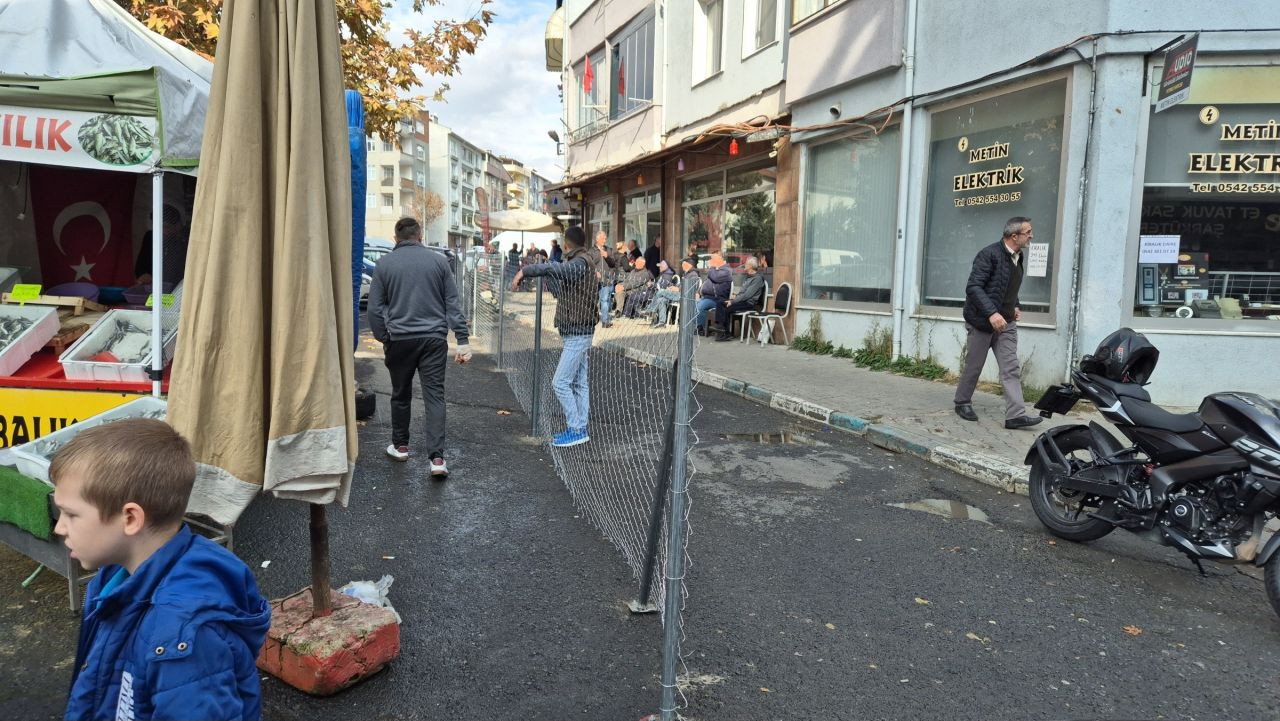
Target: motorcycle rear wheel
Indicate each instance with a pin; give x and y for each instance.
(1063, 511)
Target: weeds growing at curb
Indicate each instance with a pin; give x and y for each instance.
(875, 354)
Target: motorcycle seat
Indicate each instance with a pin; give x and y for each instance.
(1127, 390)
(1151, 415)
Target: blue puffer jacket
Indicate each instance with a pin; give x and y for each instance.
(176, 640)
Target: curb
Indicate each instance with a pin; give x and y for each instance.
(983, 468)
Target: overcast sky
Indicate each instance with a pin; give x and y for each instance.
(503, 99)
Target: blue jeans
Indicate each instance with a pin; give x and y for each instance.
(570, 382)
(606, 302)
(704, 306)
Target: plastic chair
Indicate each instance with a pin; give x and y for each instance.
(741, 315)
(782, 307)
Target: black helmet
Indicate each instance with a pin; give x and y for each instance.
(1125, 356)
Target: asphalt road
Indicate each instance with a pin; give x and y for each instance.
(809, 595)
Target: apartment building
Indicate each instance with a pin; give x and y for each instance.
(398, 177)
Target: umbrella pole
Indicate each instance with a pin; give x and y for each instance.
(320, 584)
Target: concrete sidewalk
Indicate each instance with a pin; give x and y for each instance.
(909, 415)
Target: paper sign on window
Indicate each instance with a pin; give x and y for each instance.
(1038, 260)
(1159, 248)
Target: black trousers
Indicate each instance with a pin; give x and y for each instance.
(428, 358)
(724, 314)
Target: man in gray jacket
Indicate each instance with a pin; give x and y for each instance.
(749, 297)
(413, 304)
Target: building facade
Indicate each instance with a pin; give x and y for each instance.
(458, 168)
(398, 177)
(893, 163)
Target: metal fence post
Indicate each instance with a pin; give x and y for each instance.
(535, 381)
(642, 604)
(475, 283)
(502, 304)
(679, 490)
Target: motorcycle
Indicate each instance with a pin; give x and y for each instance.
(1205, 483)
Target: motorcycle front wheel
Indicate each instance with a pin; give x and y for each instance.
(1064, 511)
(1271, 580)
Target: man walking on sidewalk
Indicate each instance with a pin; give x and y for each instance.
(991, 316)
(413, 304)
(576, 316)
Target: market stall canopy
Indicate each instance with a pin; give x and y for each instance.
(522, 219)
(264, 378)
(112, 87)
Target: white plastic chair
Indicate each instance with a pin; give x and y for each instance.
(742, 314)
(782, 306)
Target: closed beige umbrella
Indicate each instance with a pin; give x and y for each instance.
(263, 381)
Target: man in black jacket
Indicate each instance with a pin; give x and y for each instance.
(991, 316)
(577, 312)
(413, 304)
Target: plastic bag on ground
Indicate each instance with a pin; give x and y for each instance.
(372, 593)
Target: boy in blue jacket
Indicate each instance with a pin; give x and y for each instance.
(173, 622)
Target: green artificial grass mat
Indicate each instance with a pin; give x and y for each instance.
(24, 502)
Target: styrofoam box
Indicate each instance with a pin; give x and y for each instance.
(9, 277)
(75, 363)
(17, 353)
(33, 458)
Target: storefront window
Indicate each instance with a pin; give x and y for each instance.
(1209, 244)
(600, 217)
(732, 213)
(850, 202)
(642, 218)
(989, 161)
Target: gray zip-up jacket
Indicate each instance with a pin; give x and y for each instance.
(413, 296)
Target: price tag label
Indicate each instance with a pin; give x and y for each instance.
(166, 299)
(23, 292)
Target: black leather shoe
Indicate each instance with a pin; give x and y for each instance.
(965, 411)
(1023, 422)
(723, 338)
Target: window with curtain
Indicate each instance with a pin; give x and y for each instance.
(850, 207)
(600, 217)
(631, 70)
(759, 25)
(592, 115)
(801, 9)
(708, 38)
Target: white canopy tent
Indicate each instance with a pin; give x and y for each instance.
(84, 84)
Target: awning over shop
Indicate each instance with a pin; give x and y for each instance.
(81, 60)
(555, 40)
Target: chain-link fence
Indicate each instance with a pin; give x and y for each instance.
(599, 350)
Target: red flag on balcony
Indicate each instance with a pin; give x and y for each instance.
(622, 80)
(588, 76)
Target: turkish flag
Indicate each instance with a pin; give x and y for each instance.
(622, 80)
(84, 225)
(588, 77)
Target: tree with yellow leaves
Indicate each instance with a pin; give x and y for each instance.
(387, 72)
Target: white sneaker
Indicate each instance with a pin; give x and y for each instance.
(438, 468)
(398, 453)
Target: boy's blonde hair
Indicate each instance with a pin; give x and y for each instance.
(138, 461)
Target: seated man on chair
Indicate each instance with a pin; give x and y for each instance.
(630, 283)
(669, 290)
(749, 298)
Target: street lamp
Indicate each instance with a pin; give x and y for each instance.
(555, 138)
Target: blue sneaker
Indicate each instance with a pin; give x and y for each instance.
(571, 437)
